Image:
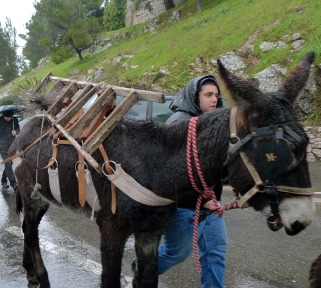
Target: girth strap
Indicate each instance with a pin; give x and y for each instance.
(109, 172)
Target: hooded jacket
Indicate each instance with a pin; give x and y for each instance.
(186, 105)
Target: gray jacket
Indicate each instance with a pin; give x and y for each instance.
(186, 105)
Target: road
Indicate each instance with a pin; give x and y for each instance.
(257, 257)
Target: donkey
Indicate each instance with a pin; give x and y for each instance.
(315, 273)
(264, 152)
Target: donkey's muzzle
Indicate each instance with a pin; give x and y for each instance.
(296, 227)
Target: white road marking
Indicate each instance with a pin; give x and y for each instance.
(89, 265)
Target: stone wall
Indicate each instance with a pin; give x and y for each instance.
(146, 10)
(314, 147)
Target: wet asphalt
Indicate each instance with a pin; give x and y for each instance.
(257, 257)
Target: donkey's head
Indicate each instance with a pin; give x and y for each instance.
(267, 155)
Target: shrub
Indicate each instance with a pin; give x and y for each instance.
(114, 16)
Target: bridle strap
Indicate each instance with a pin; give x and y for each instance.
(235, 147)
(295, 190)
(256, 177)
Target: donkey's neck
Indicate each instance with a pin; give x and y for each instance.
(155, 154)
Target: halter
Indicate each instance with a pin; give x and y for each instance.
(273, 159)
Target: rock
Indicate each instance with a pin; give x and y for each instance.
(233, 62)
(296, 36)
(270, 78)
(310, 157)
(317, 152)
(282, 44)
(266, 46)
(298, 45)
(175, 16)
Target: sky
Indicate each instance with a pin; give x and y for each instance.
(19, 12)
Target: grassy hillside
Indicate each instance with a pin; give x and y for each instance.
(223, 26)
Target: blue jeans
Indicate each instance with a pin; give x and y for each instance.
(212, 246)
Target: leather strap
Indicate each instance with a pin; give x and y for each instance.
(81, 180)
(109, 172)
(53, 157)
(20, 153)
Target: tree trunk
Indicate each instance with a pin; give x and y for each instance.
(79, 54)
(199, 5)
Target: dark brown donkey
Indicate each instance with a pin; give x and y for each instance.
(266, 138)
(315, 273)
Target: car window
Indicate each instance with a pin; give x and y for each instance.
(161, 111)
(137, 112)
(147, 110)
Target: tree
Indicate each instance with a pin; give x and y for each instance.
(38, 41)
(8, 51)
(50, 23)
(114, 15)
(82, 34)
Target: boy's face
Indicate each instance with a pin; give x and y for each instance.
(208, 97)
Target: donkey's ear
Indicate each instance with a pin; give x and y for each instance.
(298, 77)
(240, 89)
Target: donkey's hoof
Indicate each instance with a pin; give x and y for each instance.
(32, 279)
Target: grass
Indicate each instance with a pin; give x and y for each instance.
(223, 26)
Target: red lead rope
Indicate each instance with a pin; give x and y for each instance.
(207, 191)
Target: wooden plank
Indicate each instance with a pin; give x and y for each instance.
(97, 120)
(44, 82)
(120, 91)
(81, 84)
(141, 94)
(91, 161)
(75, 106)
(58, 104)
(107, 126)
(83, 122)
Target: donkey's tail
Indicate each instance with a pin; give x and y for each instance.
(19, 205)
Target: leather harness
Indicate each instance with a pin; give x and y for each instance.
(235, 148)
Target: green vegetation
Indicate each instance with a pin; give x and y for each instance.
(223, 26)
(114, 15)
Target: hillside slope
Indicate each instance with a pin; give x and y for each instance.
(163, 54)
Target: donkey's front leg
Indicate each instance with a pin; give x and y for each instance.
(146, 272)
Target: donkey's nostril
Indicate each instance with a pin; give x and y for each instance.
(297, 226)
